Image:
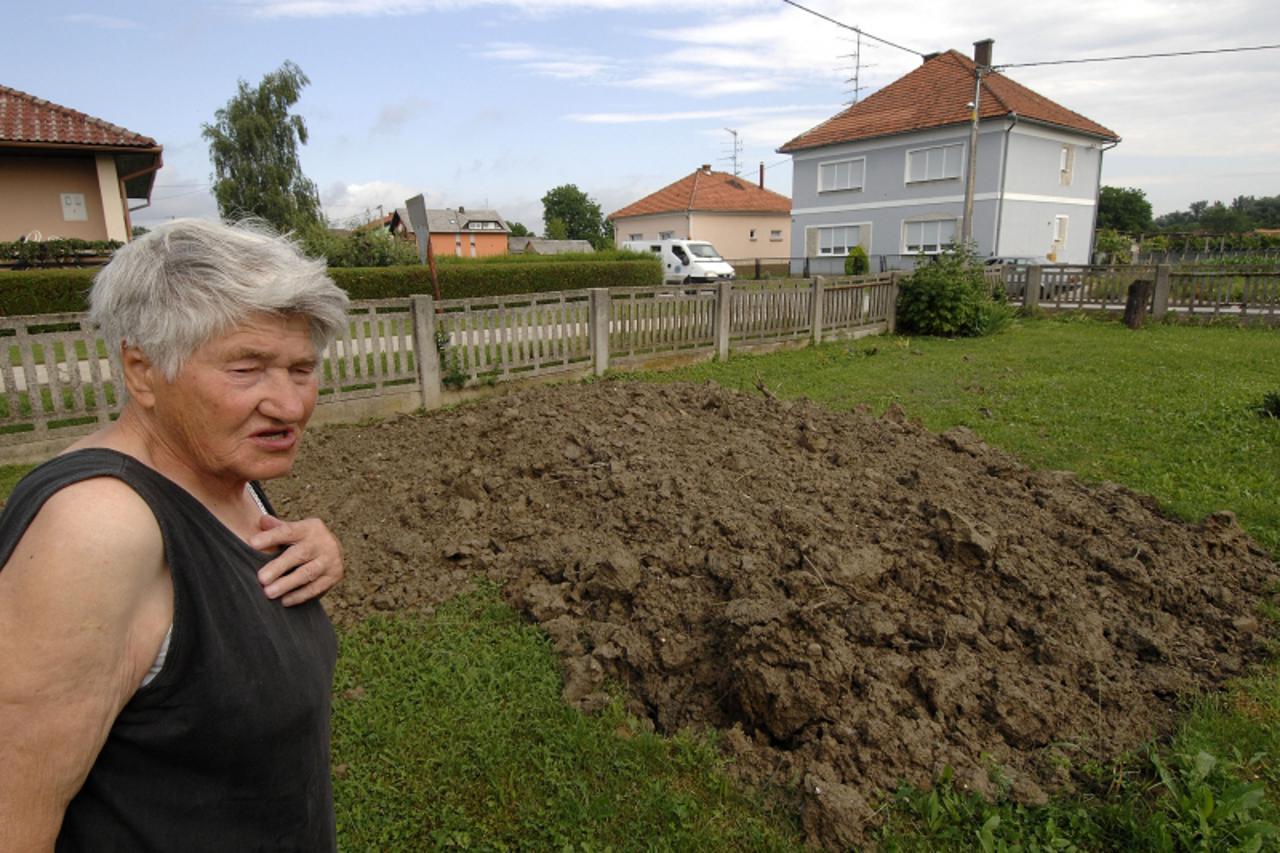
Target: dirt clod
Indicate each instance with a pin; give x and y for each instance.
(853, 601)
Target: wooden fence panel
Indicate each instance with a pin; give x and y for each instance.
(1242, 295)
(763, 313)
(646, 320)
(372, 354)
(850, 304)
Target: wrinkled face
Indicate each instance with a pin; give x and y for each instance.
(237, 409)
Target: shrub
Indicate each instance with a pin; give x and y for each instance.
(54, 253)
(947, 295)
(1117, 246)
(368, 247)
(856, 262)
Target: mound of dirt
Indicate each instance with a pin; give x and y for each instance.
(853, 601)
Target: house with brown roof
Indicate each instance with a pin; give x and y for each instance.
(740, 218)
(67, 174)
(889, 172)
(462, 233)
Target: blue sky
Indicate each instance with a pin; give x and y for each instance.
(493, 102)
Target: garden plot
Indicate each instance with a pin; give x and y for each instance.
(852, 601)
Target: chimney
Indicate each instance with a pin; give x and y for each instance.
(982, 53)
(461, 209)
(929, 56)
(706, 167)
(761, 174)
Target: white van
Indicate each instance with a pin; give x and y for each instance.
(685, 261)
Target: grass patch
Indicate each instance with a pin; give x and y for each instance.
(449, 733)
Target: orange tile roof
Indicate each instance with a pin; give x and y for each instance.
(708, 191)
(937, 94)
(28, 119)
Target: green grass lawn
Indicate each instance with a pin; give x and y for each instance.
(449, 732)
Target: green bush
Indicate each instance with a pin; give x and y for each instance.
(1116, 246)
(948, 295)
(55, 253)
(371, 247)
(65, 291)
(857, 262)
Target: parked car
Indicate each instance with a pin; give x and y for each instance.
(1064, 281)
(1017, 261)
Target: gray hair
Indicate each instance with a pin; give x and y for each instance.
(175, 288)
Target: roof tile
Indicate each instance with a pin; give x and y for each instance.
(708, 191)
(26, 118)
(937, 94)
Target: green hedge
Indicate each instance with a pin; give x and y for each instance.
(68, 252)
(64, 290)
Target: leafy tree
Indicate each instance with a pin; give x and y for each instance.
(1197, 209)
(519, 230)
(253, 144)
(1124, 209)
(580, 216)
(556, 229)
(1220, 219)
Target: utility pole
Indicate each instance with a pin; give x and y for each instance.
(966, 225)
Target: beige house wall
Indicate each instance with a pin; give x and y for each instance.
(113, 206)
(730, 233)
(651, 227)
(31, 188)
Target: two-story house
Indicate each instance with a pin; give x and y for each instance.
(462, 233)
(889, 173)
(67, 174)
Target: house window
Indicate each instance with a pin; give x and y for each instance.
(752, 235)
(841, 175)
(930, 236)
(635, 236)
(666, 235)
(1066, 164)
(776, 235)
(940, 163)
(837, 240)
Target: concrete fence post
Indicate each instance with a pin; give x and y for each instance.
(1160, 302)
(891, 315)
(815, 311)
(724, 313)
(1031, 296)
(598, 329)
(427, 350)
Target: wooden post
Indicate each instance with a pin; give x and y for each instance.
(757, 269)
(424, 345)
(1160, 305)
(1135, 306)
(598, 329)
(724, 313)
(891, 318)
(815, 310)
(1031, 295)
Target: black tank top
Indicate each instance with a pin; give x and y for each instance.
(227, 749)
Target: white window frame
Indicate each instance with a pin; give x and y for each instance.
(636, 237)
(932, 220)
(960, 163)
(853, 187)
(864, 237)
(775, 235)
(751, 235)
(1066, 164)
(666, 235)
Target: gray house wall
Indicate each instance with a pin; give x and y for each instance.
(1017, 190)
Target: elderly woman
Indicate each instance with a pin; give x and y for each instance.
(165, 667)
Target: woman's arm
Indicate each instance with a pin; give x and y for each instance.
(85, 600)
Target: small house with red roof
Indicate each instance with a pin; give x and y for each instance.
(741, 219)
(889, 172)
(65, 174)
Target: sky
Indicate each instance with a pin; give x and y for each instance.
(491, 103)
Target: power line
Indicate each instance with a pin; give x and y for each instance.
(850, 27)
(1135, 55)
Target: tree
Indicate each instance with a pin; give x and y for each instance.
(518, 230)
(1124, 209)
(580, 216)
(253, 144)
(556, 229)
(1220, 219)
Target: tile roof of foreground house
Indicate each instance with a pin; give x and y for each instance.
(937, 94)
(711, 192)
(30, 120)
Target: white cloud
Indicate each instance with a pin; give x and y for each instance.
(348, 202)
(349, 8)
(739, 113)
(393, 117)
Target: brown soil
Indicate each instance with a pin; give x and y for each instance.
(853, 601)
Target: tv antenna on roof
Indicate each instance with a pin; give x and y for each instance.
(736, 151)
